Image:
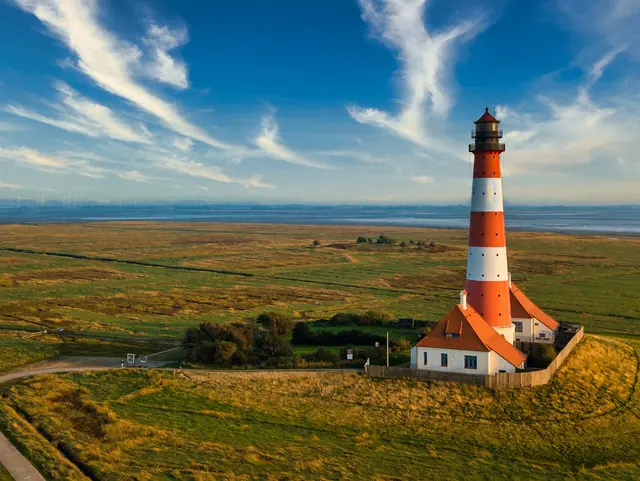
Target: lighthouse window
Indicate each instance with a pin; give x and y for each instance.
(444, 359)
(518, 326)
(471, 362)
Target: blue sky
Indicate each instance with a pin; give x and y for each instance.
(331, 101)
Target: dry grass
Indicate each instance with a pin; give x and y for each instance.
(342, 426)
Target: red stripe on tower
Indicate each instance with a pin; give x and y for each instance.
(487, 281)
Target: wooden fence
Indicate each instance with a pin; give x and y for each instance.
(518, 379)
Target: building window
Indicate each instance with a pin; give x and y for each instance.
(542, 334)
(425, 358)
(470, 362)
(518, 326)
(444, 359)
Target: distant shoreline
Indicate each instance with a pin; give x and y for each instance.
(622, 221)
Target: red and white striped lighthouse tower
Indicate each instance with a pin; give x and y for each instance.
(487, 282)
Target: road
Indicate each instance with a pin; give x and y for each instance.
(18, 466)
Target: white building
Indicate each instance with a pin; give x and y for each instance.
(463, 342)
(531, 323)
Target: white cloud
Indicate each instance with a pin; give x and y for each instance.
(269, 141)
(32, 157)
(423, 179)
(111, 62)
(424, 58)
(200, 170)
(203, 187)
(163, 67)
(82, 115)
(183, 144)
(134, 175)
(570, 133)
(6, 185)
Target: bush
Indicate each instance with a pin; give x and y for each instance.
(403, 244)
(402, 345)
(213, 342)
(345, 319)
(324, 354)
(278, 324)
(383, 239)
(362, 240)
(269, 347)
(374, 318)
(316, 242)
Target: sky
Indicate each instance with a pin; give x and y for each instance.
(321, 101)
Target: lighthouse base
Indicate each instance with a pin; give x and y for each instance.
(508, 332)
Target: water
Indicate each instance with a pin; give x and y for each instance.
(588, 220)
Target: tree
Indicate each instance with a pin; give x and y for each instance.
(324, 354)
(361, 240)
(268, 346)
(278, 324)
(301, 333)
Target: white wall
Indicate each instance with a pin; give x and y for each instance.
(527, 329)
(497, 363)
(455, 358)
(414, 358)
(508, 332)
(531, 329)
(538, 328)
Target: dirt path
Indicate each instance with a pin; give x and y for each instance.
(350, 258)
(18, 466)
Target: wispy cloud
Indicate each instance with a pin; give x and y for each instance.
(424, 58)
(570, 133)
(113, 63)
(183, 144)
(198, 169)
(8, 186)
(163, 67)
(82, 115)
(32, 157)
(423, 179)
(135, 176)
(268, 140)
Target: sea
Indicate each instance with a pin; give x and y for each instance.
(612, 220)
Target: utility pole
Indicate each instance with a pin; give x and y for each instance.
(387, 348)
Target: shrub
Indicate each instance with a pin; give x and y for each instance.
(362, 240)
(212, 342)
(402, 345)
(316, 242)
(278, 324)
(432, 244)
(374, 317)
(269, 347)
(324, 354)
(403, 244)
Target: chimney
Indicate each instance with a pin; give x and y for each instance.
(463, 299)
(509, 279)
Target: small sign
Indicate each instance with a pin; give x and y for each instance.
(143, 359)
(377, 344)
(350, 354)
(131, 358)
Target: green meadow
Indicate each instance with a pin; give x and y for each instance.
(135, 287)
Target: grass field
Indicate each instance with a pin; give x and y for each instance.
(593, 280)
(123, 425)
(135, 287)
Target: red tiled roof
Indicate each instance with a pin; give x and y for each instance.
(523, 307)
(475, 335)
(486, 117)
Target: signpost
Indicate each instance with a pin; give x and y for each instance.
(349, 354)
(131, 358)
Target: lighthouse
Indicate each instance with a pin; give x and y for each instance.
(478, 335)
(487, 281)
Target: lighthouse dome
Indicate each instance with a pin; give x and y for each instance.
(487, 118)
